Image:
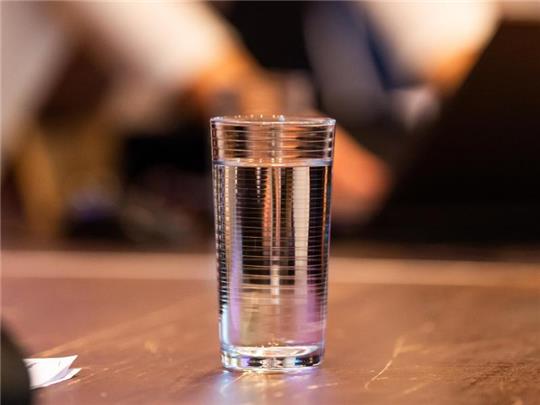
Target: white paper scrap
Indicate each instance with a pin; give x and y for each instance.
(45, 372)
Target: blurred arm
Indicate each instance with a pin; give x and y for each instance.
(435, 41)
(173, 48)
(166, 43)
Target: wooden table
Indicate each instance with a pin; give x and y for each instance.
(399, 331)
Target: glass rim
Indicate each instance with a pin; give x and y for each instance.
(273, 119)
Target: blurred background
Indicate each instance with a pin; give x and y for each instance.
(105, 110)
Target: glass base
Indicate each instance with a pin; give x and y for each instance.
(271, 359)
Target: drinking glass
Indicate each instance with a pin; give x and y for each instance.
(272, 179)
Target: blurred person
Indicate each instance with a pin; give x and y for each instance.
(380, 68)
(397, 60)
(163, 53)
(470, 173)
(390, 71)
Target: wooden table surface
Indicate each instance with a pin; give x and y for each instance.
(399, 331)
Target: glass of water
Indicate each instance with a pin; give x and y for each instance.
(272, 184)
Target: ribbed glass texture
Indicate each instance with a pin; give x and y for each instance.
(272, 184)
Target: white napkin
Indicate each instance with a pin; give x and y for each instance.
(45, 372)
